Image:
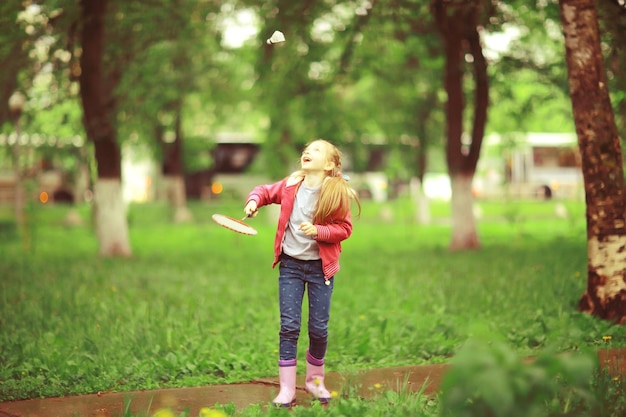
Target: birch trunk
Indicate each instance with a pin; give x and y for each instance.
(464, 233)
(601, 156)
(175, 194)
(459, 23)
(420, 199)
(111, 222)
(99, 105)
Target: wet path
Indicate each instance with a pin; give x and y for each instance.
(241, 395)
(368, 383)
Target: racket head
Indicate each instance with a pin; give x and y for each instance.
(235, 225)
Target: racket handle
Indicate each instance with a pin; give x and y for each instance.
(247, 216)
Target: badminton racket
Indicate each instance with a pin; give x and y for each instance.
(234, 224)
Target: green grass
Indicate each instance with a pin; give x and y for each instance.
(196, 304)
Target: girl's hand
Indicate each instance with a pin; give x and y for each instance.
(308, 229)
(251, 209)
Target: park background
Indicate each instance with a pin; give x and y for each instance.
(126, 125)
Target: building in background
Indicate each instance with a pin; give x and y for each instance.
(530, 165)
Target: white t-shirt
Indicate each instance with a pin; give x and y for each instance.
(296, 244)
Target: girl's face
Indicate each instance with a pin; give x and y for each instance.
(315, 158)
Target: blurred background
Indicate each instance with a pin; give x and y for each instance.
(180, 100)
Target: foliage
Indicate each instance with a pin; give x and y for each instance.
(398, 62)
(15, 45)
(42, 66)
(348, 71)
(529, 78)
(487, 378)
(174, 56)
(612, 29)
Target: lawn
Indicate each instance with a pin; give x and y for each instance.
(196, 304)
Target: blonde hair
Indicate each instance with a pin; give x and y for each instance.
(335, 194)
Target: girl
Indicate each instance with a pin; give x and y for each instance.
(314, 219)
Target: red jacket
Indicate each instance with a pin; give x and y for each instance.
(329, 236)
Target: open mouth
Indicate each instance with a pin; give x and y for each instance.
(306, 159)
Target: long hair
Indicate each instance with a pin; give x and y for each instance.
(336, 194)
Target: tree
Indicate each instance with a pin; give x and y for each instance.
(112, 64)
(458, 23)
(96, 88)
(601, 162)
(398, 63)
(172, 166)
(16, 44)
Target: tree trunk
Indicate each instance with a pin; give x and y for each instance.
(182, 214)
(601, 163)
(98, 111)
(173, 172)
(458, 25)
(111, 228)
(463, 223)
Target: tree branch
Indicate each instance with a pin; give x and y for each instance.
(346, 56)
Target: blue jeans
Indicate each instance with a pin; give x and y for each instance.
(294, 276)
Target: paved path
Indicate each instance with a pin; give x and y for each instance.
(368, 383)
(241, 395)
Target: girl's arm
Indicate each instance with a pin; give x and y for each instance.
(266, 194)
(334, 232)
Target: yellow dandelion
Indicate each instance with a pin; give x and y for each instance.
(378, 385)
(317, 381)
(606, 339)
(209, 412)
(334, 394)
(164, 412)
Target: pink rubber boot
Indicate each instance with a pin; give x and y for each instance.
(315, 379)
(287, 377)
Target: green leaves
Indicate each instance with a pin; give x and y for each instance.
(488, 378)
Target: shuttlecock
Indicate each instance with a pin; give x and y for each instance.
(277, 37)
